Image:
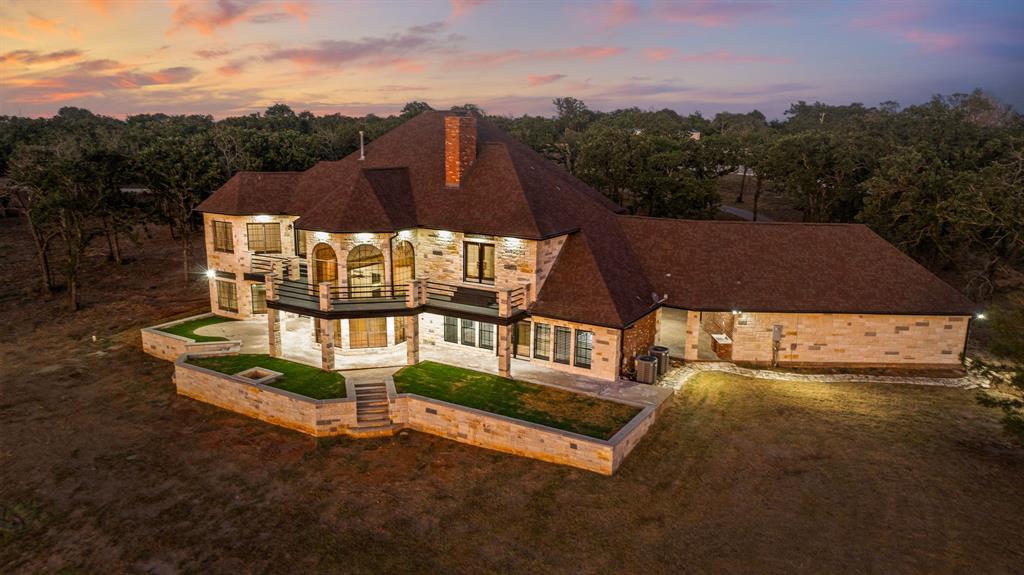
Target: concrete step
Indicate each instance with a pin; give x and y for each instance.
(371, 409)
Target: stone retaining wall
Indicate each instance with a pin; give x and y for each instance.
(322, 418)
(168, 346)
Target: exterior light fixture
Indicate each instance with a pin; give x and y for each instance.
(979, 316)
(405, 234)
(736, 312)
(264, 219)
(444, 234)
(210, 274)
(364, 237)
(321, 236)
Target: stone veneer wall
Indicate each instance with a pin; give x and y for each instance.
(547, 253)
(850, 339)
(168, 346)
(482, 429)
(322, 418)
(605, 357)
(638, 338)
(439, 257)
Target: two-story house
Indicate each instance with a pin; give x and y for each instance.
(446, 233)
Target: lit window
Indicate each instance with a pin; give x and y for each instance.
(368, 332)
(259, 298)
(264, 238)
(541, 341)
(222, 241)
(478, 262)
(584, 348)
(227, 297)
(563, 342)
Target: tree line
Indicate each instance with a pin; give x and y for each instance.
(941, 180)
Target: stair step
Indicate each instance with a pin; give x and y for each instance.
(370, 384)
(372, 409)
(362, 404)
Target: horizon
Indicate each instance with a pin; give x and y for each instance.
(236, 57)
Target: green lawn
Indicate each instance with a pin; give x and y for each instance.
(526, 401)
(187, 329)
(301, 379)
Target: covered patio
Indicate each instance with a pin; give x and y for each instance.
(371, 364)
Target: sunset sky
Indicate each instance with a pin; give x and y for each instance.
(232, 57)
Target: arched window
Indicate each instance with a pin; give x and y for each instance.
(325, 264)
(403, 264)
(365, 271)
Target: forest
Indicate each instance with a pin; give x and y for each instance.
(943, 181)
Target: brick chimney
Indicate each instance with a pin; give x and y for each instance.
(459, 148)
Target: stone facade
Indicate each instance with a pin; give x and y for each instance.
(439, 257)
(605, 357)
(168, 346)
(855, 340)
(638, 338)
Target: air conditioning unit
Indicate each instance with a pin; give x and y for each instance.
(646, 369)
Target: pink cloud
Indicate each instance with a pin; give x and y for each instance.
(586, 53)
(31, 57)
(207, 17)
(605, 14)
(709, 14)
(931, 42)
(79, 82)
(907, 23)
(716, 56)
(544, 79)
(462, 7)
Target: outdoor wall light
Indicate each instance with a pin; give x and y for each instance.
(512, 242)
(364, 237)
(444, 234)
(405, 234)
(264, 219)
(321, 236)
(736, 312)
(979, 316)
(210, 274)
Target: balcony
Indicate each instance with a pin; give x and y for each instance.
(422, 295)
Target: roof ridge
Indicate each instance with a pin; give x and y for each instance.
(744, 222)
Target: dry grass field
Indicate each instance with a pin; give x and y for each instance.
(103, 469)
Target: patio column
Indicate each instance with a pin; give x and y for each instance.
(273, 318)
(293, 268)
(412, 339)
(326, 328)
(505, 350)
(690, 349)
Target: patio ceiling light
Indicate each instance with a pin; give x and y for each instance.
(364, 237)
(321, 236)
(264, 218)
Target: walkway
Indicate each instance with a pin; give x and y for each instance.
(677, 379)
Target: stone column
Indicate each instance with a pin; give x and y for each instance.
(505, 350)
(293, 268)
(412, 339)
(273, 318)
(690, 352)
(504, 303)
(326, 327)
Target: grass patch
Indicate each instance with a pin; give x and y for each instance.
(526, 401)
(301, 379)
(188, 328)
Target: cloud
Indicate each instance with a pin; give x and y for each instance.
(82, 82)
(544, 79)
(585, 53)
(207, 17)
(709, 14)
(31, 57)
(716, 56)
(401, 51)
(462, 7)
(97, 65)
(606, 14)
(909, 23)
(212, 54)
(232, 68)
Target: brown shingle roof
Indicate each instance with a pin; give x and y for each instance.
(510, 190)
(785, 267)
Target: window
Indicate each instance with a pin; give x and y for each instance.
(451, 329)
(259, 298)
(365, 271)
(300, 242)
(584, 348)
(523, 331)
(227, 298)
(403, 264)
(478, 263)
(469, 332)
(541, 341)
(264, 238)
(487, 335)
(368, 332)
(222, 241)
(563, 342)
